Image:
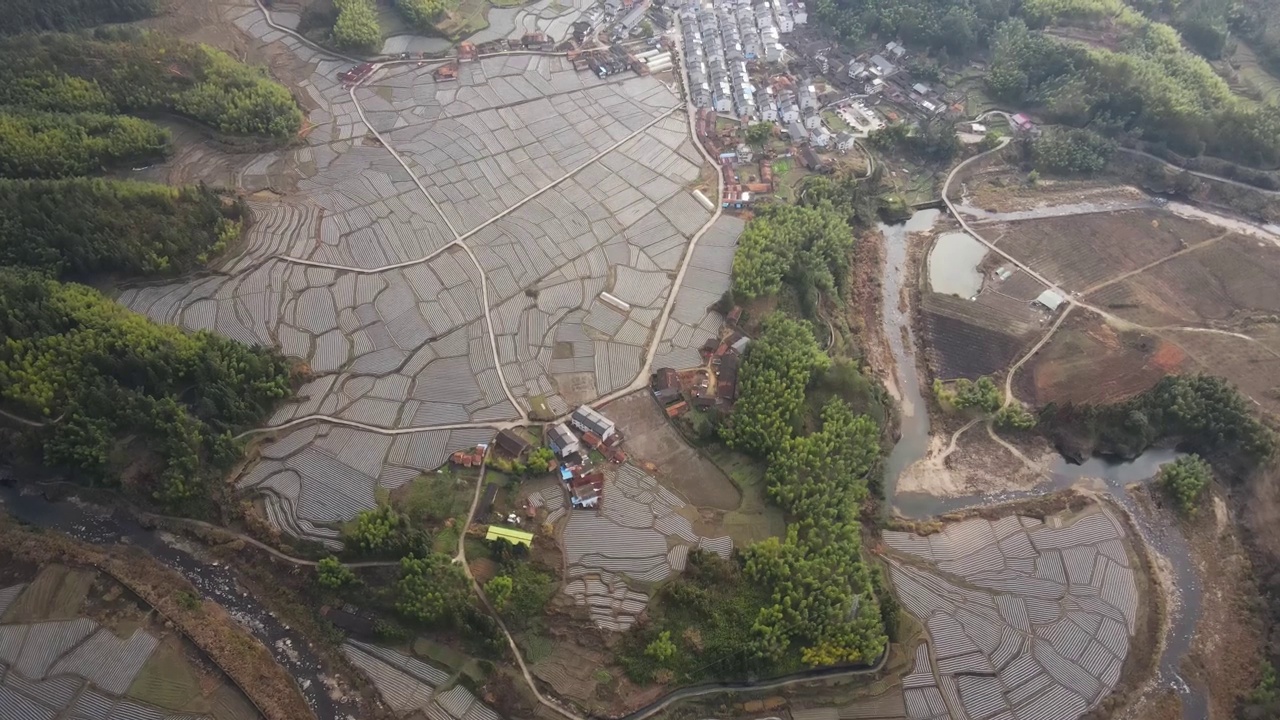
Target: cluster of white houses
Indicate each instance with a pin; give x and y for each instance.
(721, 37)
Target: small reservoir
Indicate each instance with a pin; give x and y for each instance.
(953, 265)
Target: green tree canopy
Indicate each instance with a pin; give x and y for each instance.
(129, 71)
(356, 27)
(119, 391)
(431, 589)
(83, 228)
(771, 386)
(333, 574)
(1185, 480)
(25, 16)
(806, 246)
(37, 144)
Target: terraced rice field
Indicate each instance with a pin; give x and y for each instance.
(76, 668)
(56, 593)
(1026, 619)
(409, 685)
(444, 261)
(638, 538)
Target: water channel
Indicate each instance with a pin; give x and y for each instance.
(1158, 532)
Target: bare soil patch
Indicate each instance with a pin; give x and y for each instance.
(977, 465)
(1004, 189)
(964, 339)
(1080, 251)
(651, 440)
(1089, 361)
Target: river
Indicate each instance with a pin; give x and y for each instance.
(96, 525)
(1157, 531)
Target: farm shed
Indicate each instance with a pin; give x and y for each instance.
(586, 419)
(486, 503)
(727, 377)
(666, 385)
(562, 440)
(1050, 300)
(511, 535)
(513, 443)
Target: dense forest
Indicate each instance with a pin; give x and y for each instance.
(805, 247)
(83, 228)
(125, 401)
(24, 16)
(35, 144)
(129, 72)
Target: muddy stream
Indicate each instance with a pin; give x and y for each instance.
(1159, 533)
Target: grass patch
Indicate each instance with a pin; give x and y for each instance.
(781, 166)
(1255, 79)
(442, 655)
(56, 594)
(230, 704)
(471, 16)
(168, 681)
(536, 647)
(434, 497)
(835, 122)
(540, 408)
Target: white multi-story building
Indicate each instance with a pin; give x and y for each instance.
(768, 105)
(788, 109)
(799, 14)
(812, 120)
(808, 96)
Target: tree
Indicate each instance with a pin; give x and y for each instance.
(23, 16)
(1185, 480)
(983, 394)
(759, 134)
(356, 27)
(37, 144)
(422, 14)
(1014, 417)
(431, 589)
(662, 649)
(771, 387)
(385, 531)
(121, 391)
(122, 71)
(808, 246)
(88, 228)
(499, 591)
(332, 574)
(1071, 152)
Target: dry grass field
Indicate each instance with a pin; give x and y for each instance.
(1254, 368)
(1080, 251)
(1217, 283)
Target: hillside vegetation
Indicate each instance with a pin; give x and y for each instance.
(125, 401)
(36, 144)
(84, 228)
(130, 72)
(24, 16)
(1143, 81)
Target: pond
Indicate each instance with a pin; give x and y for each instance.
(953, 265)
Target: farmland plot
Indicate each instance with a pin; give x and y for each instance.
(1222, 282)
(443, 260)
(77, 667)
(1024, 617)
(1080, 251)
